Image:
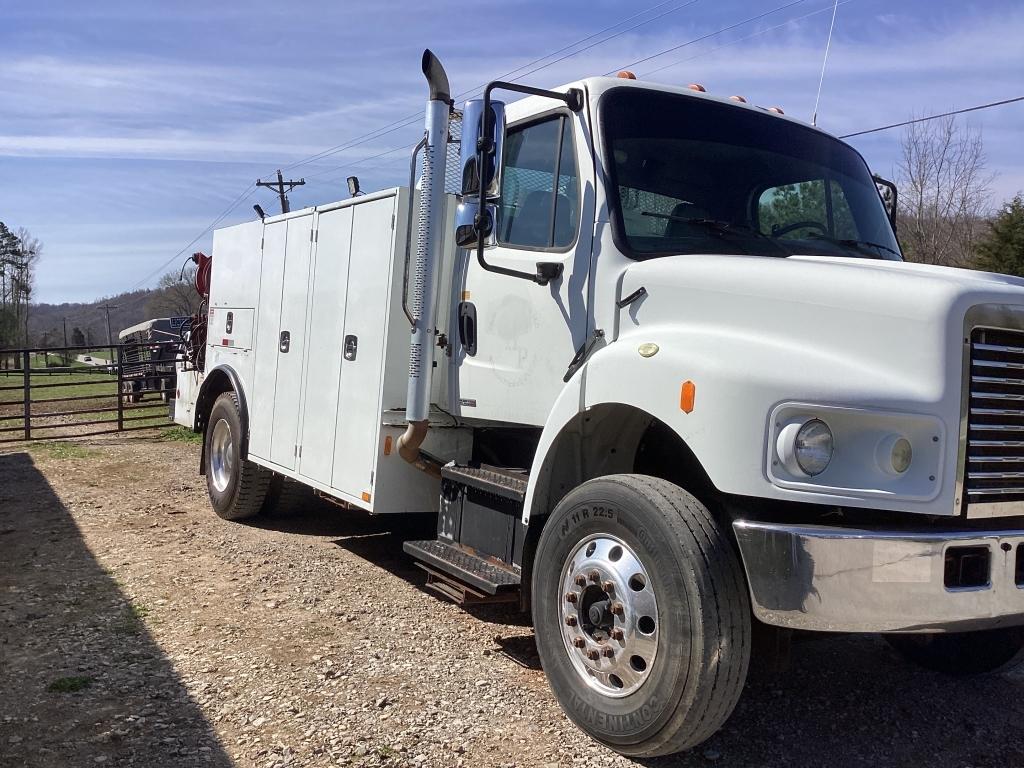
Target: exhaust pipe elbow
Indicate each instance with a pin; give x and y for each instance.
(409, 448)
(437, 79)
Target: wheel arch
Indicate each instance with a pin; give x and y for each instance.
(219, 380)
(606, 439)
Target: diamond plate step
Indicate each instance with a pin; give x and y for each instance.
(464, 566)
(500, 482)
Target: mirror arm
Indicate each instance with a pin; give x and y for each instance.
(573, 98)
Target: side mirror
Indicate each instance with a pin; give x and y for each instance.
(887, 191)
(467, 226)
(488, 132)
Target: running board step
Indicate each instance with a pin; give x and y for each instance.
(507, 484)
(463, 575)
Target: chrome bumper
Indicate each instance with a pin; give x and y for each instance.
(853, 580)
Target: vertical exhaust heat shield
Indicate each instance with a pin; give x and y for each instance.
(423, 278)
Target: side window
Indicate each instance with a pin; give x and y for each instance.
(796, 211)
(540, 186)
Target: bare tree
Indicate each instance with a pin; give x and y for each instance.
(175, 297)
(944, 190)
(31, 250)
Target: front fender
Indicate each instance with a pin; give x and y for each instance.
(738, 380)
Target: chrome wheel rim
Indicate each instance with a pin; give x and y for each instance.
(222, 455)
(609, 615)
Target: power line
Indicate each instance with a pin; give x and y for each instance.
(934, 117)
(512, 74)
(760, 32)
(709, 34)
(404, 122)
(224, 214)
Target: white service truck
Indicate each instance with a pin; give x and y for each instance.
(660, 373)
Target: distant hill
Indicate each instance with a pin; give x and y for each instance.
(46, 321)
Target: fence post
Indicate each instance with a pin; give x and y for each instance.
(26, 361)
(120, 389)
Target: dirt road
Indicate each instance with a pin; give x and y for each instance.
(138, 629)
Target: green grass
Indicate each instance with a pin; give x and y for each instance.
(62, 450)
(101, 385)
(69, 684)
(133, 622)
(99, 389)
(180, 434)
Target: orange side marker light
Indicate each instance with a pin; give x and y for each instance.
(686, 396)
(387, 445)
(366, 496)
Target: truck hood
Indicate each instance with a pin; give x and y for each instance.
(897, 290)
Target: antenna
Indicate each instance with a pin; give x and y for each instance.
(821, 80)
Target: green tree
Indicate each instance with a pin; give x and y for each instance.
(1001, 248)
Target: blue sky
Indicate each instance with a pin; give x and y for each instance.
(127, 127)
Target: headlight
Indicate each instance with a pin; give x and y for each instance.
(813, 446)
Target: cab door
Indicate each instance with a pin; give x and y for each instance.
(516, 338)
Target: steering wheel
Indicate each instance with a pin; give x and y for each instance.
(798, 225)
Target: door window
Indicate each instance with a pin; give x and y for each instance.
(539, 187)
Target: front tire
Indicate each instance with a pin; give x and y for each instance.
(641, 614)
(237, 487)
(964, 653)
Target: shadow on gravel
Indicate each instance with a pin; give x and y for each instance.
(851, 701)
(81, 681)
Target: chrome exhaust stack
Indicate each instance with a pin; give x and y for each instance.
(423, 275)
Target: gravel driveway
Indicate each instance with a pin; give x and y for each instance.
(136, 628)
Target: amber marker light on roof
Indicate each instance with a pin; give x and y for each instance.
(687, 394)
(626, 75)
(776, 110)
(697, 87)
(740, 99)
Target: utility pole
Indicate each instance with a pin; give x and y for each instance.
(65, 331)
(279, 187)
(110, 340)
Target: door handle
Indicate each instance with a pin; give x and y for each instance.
(286, 341)
(351, 347)
(467, 327)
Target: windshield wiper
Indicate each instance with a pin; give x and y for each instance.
(857, 245)
(722, 228)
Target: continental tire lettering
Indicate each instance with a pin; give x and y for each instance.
(629, 722)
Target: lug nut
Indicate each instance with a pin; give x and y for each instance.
(618, 609)
(579, 642)
(618, 634)
(595, 576)
(581, 580)
(608, 586)
(570, 621)
(571, 597)
(608, 653)
(593, 655)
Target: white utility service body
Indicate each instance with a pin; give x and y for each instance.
(841, 432)
(323, 413)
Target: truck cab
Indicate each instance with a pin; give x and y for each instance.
(661, 374)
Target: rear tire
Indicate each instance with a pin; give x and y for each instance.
(237, 487)
(287, 497)
(964, 653)
(650, 654)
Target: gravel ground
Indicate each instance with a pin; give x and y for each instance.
(136, 628)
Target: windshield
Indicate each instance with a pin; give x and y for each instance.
(696, 176)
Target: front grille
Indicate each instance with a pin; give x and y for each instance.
(995, 422)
